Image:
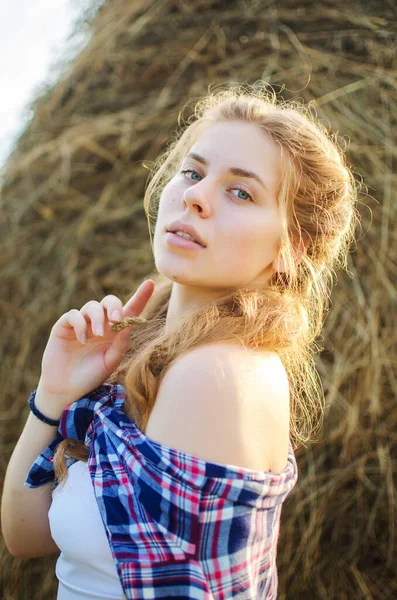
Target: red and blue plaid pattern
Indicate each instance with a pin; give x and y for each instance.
(178, 526)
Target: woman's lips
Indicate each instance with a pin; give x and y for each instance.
(181, 242)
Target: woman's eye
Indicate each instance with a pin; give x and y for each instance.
(234, 188)
(190, 171)
(244, 192)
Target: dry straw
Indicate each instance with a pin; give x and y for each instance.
(73, 229)
(127, 322)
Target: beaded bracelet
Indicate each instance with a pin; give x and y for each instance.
(39, 414)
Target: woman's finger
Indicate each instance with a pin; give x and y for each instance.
(113, 305)
(138, 301)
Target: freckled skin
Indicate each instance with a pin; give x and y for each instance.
(241, 234)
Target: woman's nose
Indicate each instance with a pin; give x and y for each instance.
(200, 194)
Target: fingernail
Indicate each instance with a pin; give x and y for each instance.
(83, 338)
(116, 316)
(99, 330)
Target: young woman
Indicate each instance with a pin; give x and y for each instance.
(162, 453)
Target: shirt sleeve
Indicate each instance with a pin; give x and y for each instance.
(73, 424)
(180, 526)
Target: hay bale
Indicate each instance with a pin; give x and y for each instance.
(73, 228)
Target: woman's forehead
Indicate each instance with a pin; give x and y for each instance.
(239, 145)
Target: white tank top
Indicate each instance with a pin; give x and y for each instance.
(85, 568)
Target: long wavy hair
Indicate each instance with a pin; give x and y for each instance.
(316, 195)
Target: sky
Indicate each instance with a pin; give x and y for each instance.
(33, 36)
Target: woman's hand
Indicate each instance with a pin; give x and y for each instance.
(71, 368)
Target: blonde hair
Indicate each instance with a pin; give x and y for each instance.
(316, 198)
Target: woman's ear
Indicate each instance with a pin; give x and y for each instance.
(298, 249)
(278, 265)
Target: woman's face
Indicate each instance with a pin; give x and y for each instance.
(240, 227)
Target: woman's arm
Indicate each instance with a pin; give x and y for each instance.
(24, 511)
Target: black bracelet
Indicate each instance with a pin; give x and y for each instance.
(39, 414)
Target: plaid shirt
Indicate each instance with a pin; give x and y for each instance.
(178, 526)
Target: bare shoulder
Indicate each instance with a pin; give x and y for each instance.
(227, 404)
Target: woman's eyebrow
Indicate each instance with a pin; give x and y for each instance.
(234, 170)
